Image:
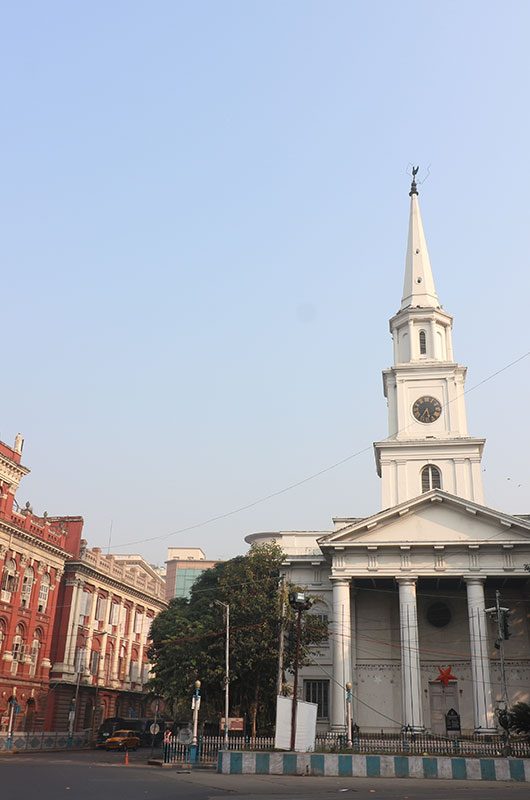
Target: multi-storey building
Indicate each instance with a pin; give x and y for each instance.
(74, 623)
(33, 551)
(183, 566)
(99, 653)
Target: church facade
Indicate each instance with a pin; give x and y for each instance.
(411, 593)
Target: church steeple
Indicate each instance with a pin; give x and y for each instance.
(428, 445)
(418, 288)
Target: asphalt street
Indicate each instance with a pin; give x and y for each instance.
(99, 775)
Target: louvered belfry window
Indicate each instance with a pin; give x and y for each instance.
(430, 478)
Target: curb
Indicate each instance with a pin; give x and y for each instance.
(363, 766)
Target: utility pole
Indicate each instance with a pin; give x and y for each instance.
(281, 641)
(300, 603)
(226, 607)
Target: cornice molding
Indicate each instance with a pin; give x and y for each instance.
(30, 538)
(87, 571)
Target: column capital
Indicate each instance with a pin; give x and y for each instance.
(474, 579)
(406, 580)
(340, 580)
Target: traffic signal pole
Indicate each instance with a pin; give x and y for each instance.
(501, 616)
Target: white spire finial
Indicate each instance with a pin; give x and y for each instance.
(418, 287)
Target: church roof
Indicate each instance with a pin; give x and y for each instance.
(508, 524)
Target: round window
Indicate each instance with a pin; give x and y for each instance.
(439, 615)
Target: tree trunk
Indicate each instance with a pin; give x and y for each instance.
(254, 712)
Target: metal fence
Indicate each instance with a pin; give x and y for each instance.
(365, 744)
(21, 741)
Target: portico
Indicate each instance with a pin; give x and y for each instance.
(400, 554)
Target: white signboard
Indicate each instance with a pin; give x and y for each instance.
(306, 725)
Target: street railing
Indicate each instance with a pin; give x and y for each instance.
(365, 744)
(21, 741)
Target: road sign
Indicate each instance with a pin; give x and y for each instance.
(157, 706)
(154, 728)
(452, 720)
(234, 724)
(185, 736)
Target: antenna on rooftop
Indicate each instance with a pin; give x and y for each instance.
(110, 537)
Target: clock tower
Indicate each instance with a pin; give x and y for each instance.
(428, 446)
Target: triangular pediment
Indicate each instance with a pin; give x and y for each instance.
(435, 517)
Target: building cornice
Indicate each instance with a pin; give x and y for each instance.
(73, 569)
(32, 539)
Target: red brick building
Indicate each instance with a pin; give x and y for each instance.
(33, 551)
(74, 623)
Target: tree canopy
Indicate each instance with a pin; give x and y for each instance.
(188, 639)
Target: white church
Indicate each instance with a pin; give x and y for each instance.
(406, 591)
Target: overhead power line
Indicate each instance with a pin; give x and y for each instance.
(289, 487)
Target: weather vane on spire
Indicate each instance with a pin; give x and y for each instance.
(413, 185)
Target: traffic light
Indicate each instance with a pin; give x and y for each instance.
(505, 624)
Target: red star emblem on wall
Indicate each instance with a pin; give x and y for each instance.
(445, 675)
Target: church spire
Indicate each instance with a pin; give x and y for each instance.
(418, 288)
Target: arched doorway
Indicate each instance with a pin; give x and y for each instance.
(88, 717)
(29, 718)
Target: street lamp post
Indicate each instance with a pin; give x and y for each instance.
(348, 713)
(73, 706)
(300, 603)
(195, 705)
(226, 607)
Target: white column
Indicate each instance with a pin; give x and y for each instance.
(448, 343)
(104, 640)
(91, 618)
(73, 626)
(341, 638)
(413, 348)
(129, 635)
(114, 666)
(480, 665)
(410, 655)
(431, 351)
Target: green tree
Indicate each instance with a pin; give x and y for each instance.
(519, 718)
(188, 638)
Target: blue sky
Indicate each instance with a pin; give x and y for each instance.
(203, 217)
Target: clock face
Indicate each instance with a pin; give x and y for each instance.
(427, 409)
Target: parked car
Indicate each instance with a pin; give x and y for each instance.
(122, 740)
(141, 727)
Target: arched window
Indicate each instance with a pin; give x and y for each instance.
(431, 478)
(34, 652)
(27, 585)
(423, 343)
(43, 592)
(9, 579)
(3, 629)
(17, 648)
(107, 664)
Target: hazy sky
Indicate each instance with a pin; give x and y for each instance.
(203, 220)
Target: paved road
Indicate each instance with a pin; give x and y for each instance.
(103, 776)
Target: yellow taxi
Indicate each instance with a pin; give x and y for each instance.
(122, 740)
